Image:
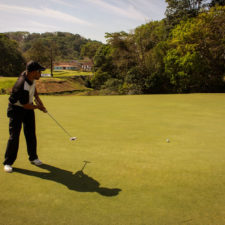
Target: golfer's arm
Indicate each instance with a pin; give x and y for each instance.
(30, 106)
(38, 100)
(39, 104)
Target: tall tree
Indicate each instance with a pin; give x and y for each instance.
(103, 66)
(178, 10)
(151, 44)
(90, 48)
(123, 52)
(40, 52)
(195, 60)
(11, 60)
(217, 2)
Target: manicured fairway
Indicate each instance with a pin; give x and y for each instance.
(135, 176)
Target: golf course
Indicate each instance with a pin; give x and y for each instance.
(137, 160)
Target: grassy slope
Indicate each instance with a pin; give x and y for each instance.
(181, 182)
(7, 82)
(59, 84)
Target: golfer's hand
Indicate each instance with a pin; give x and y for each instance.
(42, 108)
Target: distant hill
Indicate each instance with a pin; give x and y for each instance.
(65, 46)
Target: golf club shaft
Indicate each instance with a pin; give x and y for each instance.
(59, 124)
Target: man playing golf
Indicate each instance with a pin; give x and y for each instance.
(21, 111)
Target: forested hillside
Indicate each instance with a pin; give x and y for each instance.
(56, 46)
(182, 53)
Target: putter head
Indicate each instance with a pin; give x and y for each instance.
(73, 138)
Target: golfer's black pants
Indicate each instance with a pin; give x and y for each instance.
(18, 117)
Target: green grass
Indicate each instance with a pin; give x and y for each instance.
(7, 82)
(67, 73)
(124, 137)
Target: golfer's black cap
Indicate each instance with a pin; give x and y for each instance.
(33, 66)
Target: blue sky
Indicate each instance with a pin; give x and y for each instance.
(89, 18)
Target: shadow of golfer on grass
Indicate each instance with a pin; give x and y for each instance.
(78, 181)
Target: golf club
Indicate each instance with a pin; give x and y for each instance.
(71, 138)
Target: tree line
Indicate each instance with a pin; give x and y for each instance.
(182, 53)
(16, 48)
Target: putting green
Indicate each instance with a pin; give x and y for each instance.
(135, 176)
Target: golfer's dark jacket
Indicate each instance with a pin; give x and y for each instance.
(22, 92)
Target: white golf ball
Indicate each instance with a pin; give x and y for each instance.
(167, 140)
(73, 138)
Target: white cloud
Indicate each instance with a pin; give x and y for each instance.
(45, 12)
(128, 11)
(41, 26)
(63, 16)
(62, 2)
(89, 18)
(32, 26)
(154, 8)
